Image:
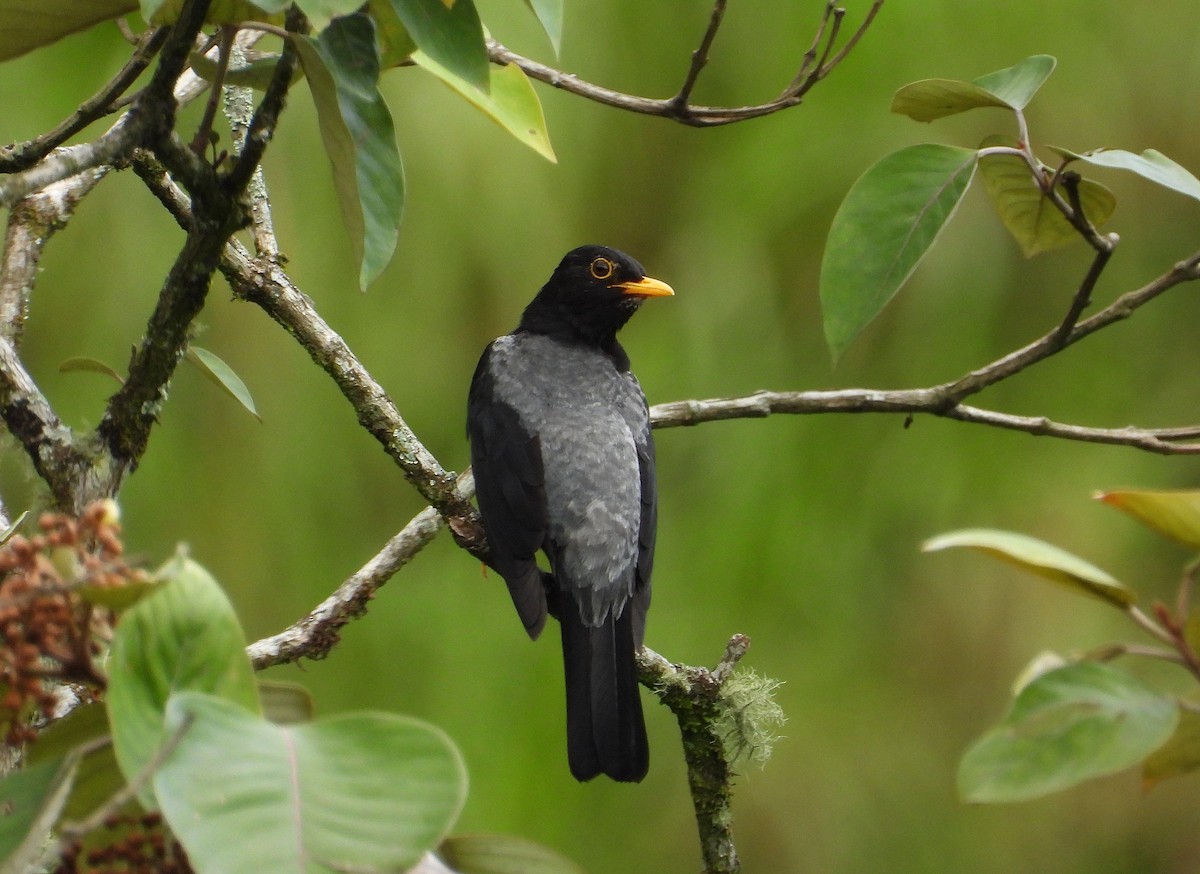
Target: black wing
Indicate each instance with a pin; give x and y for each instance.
(509, 486)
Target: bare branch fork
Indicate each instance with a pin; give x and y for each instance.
(679, 108)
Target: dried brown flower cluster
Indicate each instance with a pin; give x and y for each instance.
(138, 844)
(48, 610)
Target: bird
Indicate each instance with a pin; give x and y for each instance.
(563, 460)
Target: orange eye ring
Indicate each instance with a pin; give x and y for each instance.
(602, 268)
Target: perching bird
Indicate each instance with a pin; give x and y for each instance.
(564, 463)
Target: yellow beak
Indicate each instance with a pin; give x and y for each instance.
(646, 287)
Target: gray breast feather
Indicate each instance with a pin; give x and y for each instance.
(588, 418)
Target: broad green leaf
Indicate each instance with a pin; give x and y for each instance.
(222, 376)
(550, 14)
(511, 102)
(1041, 558)
(31, 800)
(185, 636)
(886, 224)
(450, 34)
(1150, 164)
(1178, 756)
(89, 365)
(342, 67)
(1173, 513)
(1017, 84)
(1010, 88)
(931, 99)
(502, 854)
(1030, 217)
(31, 24)
(395, 45)
(285, 703)
(358, 792)
(1081, 721)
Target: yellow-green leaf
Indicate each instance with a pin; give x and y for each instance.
(89, 365)
(1030, 217)
(511, 101)
(223, 376)
(1040, 558)
(1173, 513)
(31, 24)
(1178, 756)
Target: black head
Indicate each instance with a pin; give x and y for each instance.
(591, 295)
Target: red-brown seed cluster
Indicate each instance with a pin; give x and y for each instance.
(46, 627)
(137, 845)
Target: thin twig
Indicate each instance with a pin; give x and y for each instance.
(672, 107)
(700, 55)
(19, 156)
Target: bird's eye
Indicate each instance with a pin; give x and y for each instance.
(602, 268)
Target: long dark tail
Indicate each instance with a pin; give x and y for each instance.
(606, 732)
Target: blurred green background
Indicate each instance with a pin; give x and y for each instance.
(801, 532)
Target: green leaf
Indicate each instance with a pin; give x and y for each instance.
(8, 532)
(451, 34)
(1030, 217)
(886, 224)
(1150, 164)
(1069, 725)
(1040, 558)
(342, 66)
(1011, 88)
(511, 102)
(1178, 756)
(395, 45)
(117, 598)
(99, 777)
(185, 636)
(358, 792)
(31, 24)
(321, 12)
(222, 376)
(89, 365)
(1017, 84)
(32, 800)
(502, 854)
(550, 14)
(1175, 514)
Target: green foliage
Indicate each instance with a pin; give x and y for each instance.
(883, 228)
(342, 67)
(185, 637)
(1033, 220)
(32, 799)
(1074, 720)
(222, 375)
(450, 34)
(30, 24)
(896, 210)
(363, 791)
(1068, 725)
(1041, 558)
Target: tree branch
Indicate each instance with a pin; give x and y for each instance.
(695, 696)
(678, 108)
(19, 156)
